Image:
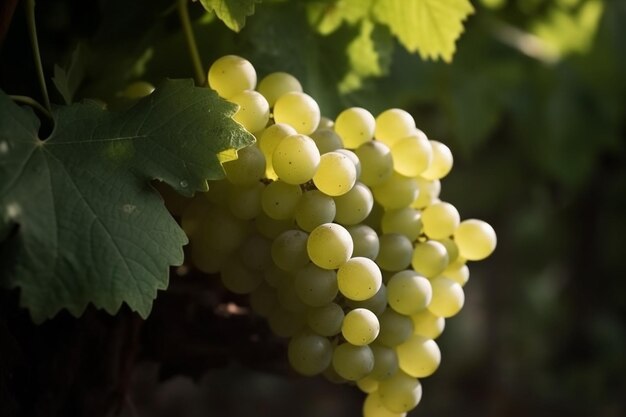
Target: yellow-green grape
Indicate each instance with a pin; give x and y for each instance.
(263, 300)
(288, 298)
(428, 325)
(376, 303)
(376, 163)
(419, 357)
(355, 160)
(289, 250)
(267, 142)
(298, 110)
(204, 258)
(393, 125)
(406, 220)
(359, 278)
(325, 320)
(314, 208)
(333, 377)
(448, 297)
(385, 362)
(367, 384)
(355, 126)
(247, 169)
(239, 279)
(408, 292)
(329, 246)
(430, 258)
(396, 192)
(440, 220)
(360, 327)
(279, 200)
(412, 155)
(354, 206)
(395, 328)
(276, 84)
(476, 239)
(400, 393)
(137, 90)
(253, 112)
(336, 174)
(326, 140)
(295, 159)
(244, 202)
(325, 123)
(230, 75)
(458, 273)
(256, 253)
(285, 323)
(276, 277)
(441, 163)
(309, 354)
(221, 231)
(451, 248)
(366, 243)
(353, 362)
(315, 286)
(395, 252)
(373, 407)
(428, 192)
(270, 228)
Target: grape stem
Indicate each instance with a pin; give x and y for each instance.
(33, 103)
(32, 30)
(183, 12)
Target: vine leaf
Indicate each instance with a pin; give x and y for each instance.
(80, 221)
(430, 27)
(232, 12)
(68, 80)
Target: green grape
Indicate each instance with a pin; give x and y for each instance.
(279, 200)
(218, 192)
(408, 292)
(428, 192)
(247, 169)
(451, 248)
(355, 160)
(360, 327)
(366, 243)
(354, 206)
(430, 258)
(299, 110)
(395, 328)
(332, 376)
(289, 250)
(412, 154)
(221, 231)
(375, 218)
(396, 192)
(329, 246)
(367, 384)
(419, 357)
(441, 163)
(137, 90)
(239, 279)
(440, 220)
(352, 362)
(325, 123)
(326, 140)
(204, 258)
(325, 320)
(459, 274)
(230, 75)
(373, 407)
(359, 278)
(253, 112)
(276, 84)
(245, 202)
(355, 126)
(309, 354)
(476, 239)
(193, 216)
(263, 300)
(376, 303)
(255, 253)
(335, 175)
(385, 362)
(406, 221)
(392, 125)
(267, 142)
(428, 325)
(448, 297)
(376, 163)
(285, 323)
(315, 286)
(288, 297)
(313, 209)
(295, 159)
(271, 228)
(276, 277)
(395, 252)
(400, 393)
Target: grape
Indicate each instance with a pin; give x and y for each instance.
(428, 192)
(448, 297)
(355, 160)
(359, 278)
(412, 155)
(458, 274)
(325, 320)
(327, 140)
(309, 354)
(263, 300)
(329, 246)
(314, 208)
(245, 202)
(285, 323)
(419, 357)
(376, 303)
(288, 297)
(451, 248)
(395, 252)
(253, 112)
(408, 292)
(406, 220)
(325, 123)
(440, 220)
(247, 169)
(279, 200)
(360, 327)
(289, 250)
(428, 325)
(430, 258)
(230, 75)
(335, 175)
(274, 85)
(366, 243)
(395, 328)
(354, 206)
(316, 286)
(441, 163)
(255, 253)
(476, 239)
(385, 362)
(376, 163)
(298, 110)
(400, 393)
(367, 384)
(206, 259)
(352, 362)
(295, 159)
(392, 125)
(355, 126)
(270, 228)
(396, 192)
(239, 279)
(276, 277)
(373, 407)
(137, 90)
(267, 142)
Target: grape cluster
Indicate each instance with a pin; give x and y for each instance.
(336, 232)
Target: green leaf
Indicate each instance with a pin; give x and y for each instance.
(85, 224)
(326, 17)
(232, 12)
(430, 27)
(68, 80)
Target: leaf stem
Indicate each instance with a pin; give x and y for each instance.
(183, 12)
(33, 103)
(32, 29)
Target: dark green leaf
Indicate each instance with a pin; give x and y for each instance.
(68, 80)
(232, 12)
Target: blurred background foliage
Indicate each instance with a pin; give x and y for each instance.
(533, 107)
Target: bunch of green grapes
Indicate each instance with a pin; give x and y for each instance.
(336, 231)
